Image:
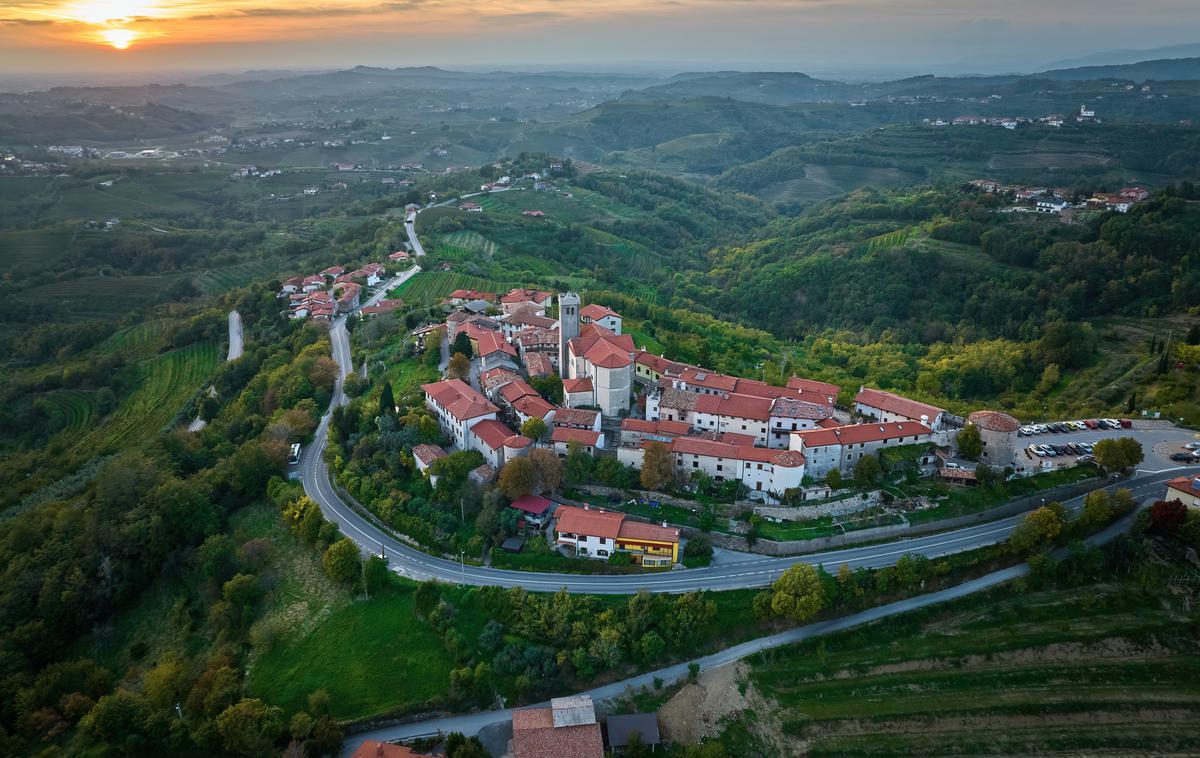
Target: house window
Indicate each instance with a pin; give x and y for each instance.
(695, 464)
(760, 467)
(718, 467)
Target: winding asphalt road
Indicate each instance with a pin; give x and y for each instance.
(473, 723)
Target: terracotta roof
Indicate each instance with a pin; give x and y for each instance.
(529, 317)
(515, 390)
(492, 433)
(472, 295)
(893, 403)
(576, 417)
(595, 312)
(374, 749)
(1184, 484)
(427, 454)
(790, 407)
(994, 421)
(672, 428)
(589, 521)
(497, 377)
(567, 435)
(333, 271)
(812, 385)
(517, 442)
(459, 399)
(484, 473)
(637, 530)
(658, 363)
(714, 449)
(582, 741)
(538, 364)
(583, 384)
(528, 338)
(855, 433)
(705, 378)
(383, 306)
(532, 718)
(523, 295)
(533, 405)
(535, 505)
(493, 342)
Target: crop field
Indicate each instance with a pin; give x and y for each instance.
(1002, 161)
(466, 239)
(168, 381)
(221, 280)
(71, 408)
(140, 341)
(1104, 668)
(32, 249)
(99, 297)
(429, 286)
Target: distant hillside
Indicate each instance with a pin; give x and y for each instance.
(1167, 69)
(1121, 57)
(778, 87)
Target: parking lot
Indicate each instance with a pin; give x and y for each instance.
(1159, 440)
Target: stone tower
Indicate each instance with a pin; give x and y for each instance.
(568, 329)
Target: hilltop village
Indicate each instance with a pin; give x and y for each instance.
(779, 444)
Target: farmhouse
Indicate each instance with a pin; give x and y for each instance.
(458, 409)
(567, 729)
(602, 315)
(563, 436)
(843, 446)
(424, 456)
(516, 299)
(595, 533)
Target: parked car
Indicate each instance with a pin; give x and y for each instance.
(1092, 424)
(1048, 451)
(1181, 457)
(1126, 423)
(1192, 446)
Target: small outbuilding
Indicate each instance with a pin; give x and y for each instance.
(621, 729)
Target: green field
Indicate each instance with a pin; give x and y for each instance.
(1106, 669)
(221, 280)
(141, 341)
(373, 657)
(72, 408)
(430, 286)
(99, 297)
(33, 249)
(167, 382)
(471, 241)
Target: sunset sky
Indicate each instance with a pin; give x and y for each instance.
(211, 35)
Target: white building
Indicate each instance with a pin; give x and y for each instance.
(470, 420)
(766, 473)
(842, 447)
(602, 315)
(770, 421)
(606, 359)
(878, 405)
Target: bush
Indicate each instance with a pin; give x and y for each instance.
(620, 558)
(698, 551)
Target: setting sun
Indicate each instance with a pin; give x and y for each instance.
(121, 39)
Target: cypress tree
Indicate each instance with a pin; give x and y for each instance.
(387, 401)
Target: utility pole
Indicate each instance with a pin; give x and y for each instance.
(363, 565)
(462, 567)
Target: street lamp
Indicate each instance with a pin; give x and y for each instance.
(462, 567)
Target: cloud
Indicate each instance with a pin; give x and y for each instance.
(26, 21)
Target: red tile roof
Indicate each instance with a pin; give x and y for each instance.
(493, 342)
(856, 433)
(497, 377)
(534, 505)
(714, 449)
(566, 435)
(673, 428)
(517, 389)
(994, 421)
(577, 417)
(373, 749)
(639, 531)
(533, 405)
(427, 454)
(582, 741)
(522, 295)
(893, 403)
(1185, 484)
(590, 521)
(595, 312)
(583, 384)
(812, 385)
(473, 295)
(492, 433)
(538, 364)
(657, 363)
(459, 399)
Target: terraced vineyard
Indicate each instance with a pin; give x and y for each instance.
(222, 280)
(168, 380)
(100, 297)
(140, 341)
(427, 287)
(472, 241)
(72, 409)
(20, 250)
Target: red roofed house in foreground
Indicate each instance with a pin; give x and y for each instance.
(879, 405)
(596, 533)
(535, 509)
(1185, 489)
(843, 446)
(567, 729)
(602, 315)
(563, 436)
(373, 749)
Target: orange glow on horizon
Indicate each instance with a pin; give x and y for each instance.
(120, 39)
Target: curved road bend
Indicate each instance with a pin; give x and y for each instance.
(472, 723)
